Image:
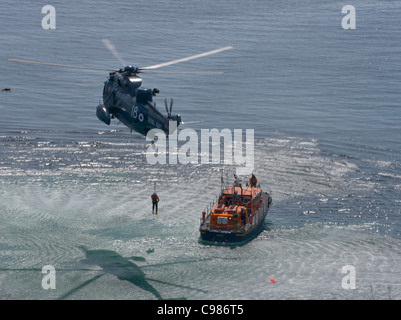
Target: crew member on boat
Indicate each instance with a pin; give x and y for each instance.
(243, 216)
(236, 198)
(253, 181)
(237, 181)
(235, 221)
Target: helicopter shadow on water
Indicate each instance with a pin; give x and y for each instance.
(126, 269)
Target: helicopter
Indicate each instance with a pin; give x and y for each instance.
(124, 97)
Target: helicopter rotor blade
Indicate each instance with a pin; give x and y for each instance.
(182, 72)
(113, 50)
(59, 65)
(200, 55)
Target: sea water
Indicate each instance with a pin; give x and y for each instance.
(324, 104)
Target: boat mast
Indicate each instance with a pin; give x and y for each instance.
(252, 198)
(222, 180)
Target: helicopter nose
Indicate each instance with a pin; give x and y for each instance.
(103, 114)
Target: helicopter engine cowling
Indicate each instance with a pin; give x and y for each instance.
(103, 114)
(144, 95)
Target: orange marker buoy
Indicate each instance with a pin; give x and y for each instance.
(272, 280)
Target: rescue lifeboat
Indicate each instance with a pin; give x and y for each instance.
(237, 215)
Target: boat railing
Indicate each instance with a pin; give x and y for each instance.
(208, 209)
(259, 214)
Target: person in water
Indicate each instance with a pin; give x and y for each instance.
(253, 181)
(155, 201)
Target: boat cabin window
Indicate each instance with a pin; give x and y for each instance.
(226, 201)
(246, 199)
(222, 220)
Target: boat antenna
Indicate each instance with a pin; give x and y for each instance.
(222, 179)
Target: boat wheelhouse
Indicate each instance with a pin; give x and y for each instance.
(236, 216)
